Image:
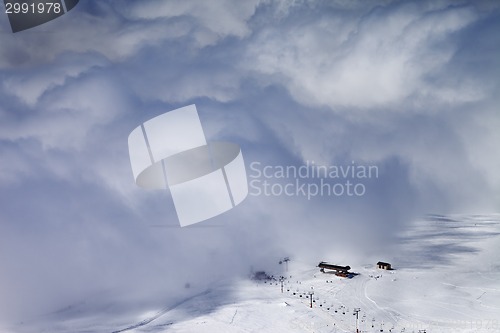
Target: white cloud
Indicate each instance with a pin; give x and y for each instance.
(220, 18)
(148, 23)
(66, 114)
(376, 58)
(29, 86)
(399, 85)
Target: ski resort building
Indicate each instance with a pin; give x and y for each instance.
(335, 268)
(384, 265)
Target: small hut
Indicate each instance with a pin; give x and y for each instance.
(384, 265)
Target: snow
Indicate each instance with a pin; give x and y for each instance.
(446, 278)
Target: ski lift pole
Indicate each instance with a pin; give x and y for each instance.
(356, 312)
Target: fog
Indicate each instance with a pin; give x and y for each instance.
(411, 88)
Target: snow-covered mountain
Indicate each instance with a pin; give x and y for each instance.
(446, 278)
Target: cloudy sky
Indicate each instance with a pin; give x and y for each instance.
(411, 87)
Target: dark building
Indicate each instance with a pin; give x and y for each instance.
(337, 269)
(384, 265)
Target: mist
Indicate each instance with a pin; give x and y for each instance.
(411, 88)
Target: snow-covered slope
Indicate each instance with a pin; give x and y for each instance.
(446, 278)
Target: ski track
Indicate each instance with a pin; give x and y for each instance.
(160, 313)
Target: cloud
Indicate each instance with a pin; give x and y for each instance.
(120, 31)
(410, 87)
(395, 78)
(374, 57)
(215, 20)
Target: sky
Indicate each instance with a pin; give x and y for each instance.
(410, 87)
